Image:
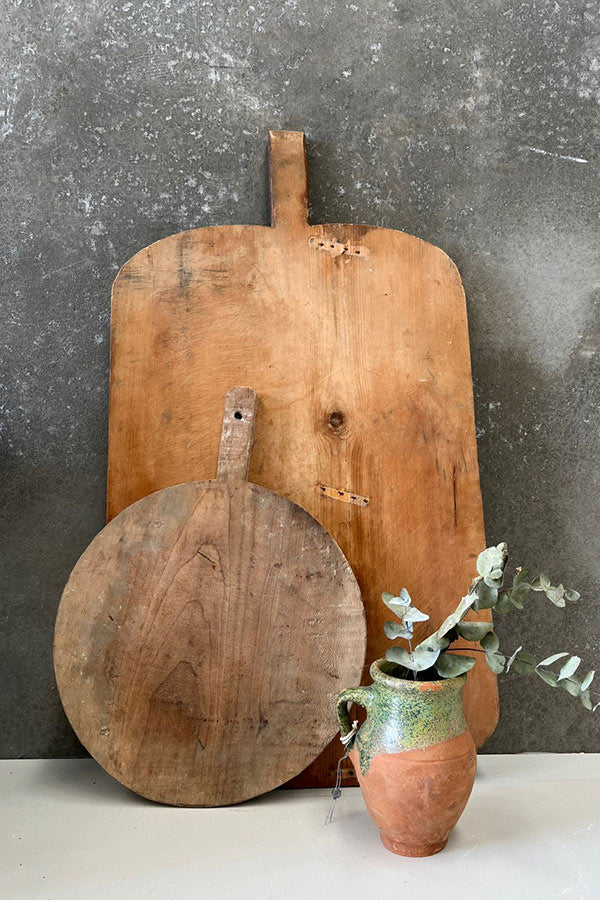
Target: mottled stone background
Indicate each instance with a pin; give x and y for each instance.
(471, 124)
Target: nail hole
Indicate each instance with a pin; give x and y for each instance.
(237, 414)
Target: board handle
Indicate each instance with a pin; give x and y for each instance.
(288, 179)
(237, 434)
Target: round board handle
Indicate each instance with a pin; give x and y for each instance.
(237, 435)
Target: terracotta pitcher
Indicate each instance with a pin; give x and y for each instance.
(414, 758)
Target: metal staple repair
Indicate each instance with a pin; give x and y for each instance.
(345, 496)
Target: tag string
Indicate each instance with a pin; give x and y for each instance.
(346, 738)
(336, 793)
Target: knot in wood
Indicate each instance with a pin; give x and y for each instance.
(336, 419)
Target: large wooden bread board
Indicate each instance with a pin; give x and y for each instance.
(356, 340)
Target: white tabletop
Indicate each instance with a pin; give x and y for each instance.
(69, 832)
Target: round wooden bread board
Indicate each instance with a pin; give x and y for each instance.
(203, 635)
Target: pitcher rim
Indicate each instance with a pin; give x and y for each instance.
(406, 684)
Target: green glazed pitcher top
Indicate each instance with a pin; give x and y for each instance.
(402, 714)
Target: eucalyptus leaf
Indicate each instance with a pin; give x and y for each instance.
(572, 595)
(520, 590)
(569, 667)
(398, 655)
(494, 579)
(571, 685)
(556, 595)
(397, 606)
(414, 615)
(486, 561)
(587, 680)
(516, 598)
(521, 578)
(452, 635)
(473, 631)
(496, 662)
(490, 642)
(449, 665)
(586, 699)
(552, 659)
(454, 618)
(395, 630)
(491, 562)
(503, 604)
(403, 597)
(485, 596)
(401, 606)
(544, 582)
(524, 663)
(432, 643)
(421, 658)
(549, 677)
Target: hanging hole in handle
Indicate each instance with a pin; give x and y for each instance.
(237, 414)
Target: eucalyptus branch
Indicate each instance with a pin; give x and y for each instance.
(435, 657)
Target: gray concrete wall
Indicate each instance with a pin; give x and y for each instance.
(472, 125)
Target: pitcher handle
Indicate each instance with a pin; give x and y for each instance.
(360, 695)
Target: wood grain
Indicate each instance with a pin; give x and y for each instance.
(356, 339)
(204, 634)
